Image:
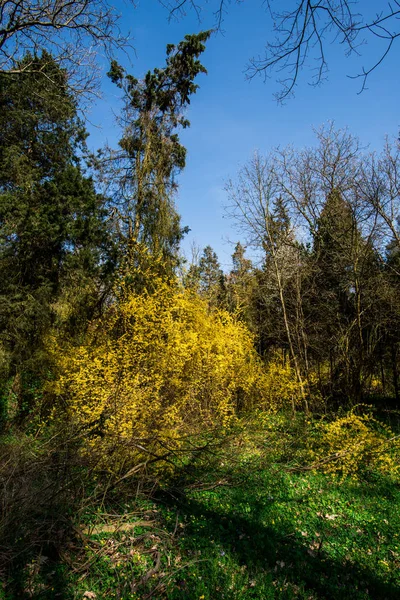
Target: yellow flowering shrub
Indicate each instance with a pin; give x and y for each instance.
(355, 442)
(158, 366)
(280, 386)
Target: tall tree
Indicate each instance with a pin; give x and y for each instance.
(51, 218)
(386, 306)
(151, 155)
(329, 297)
(324, 188)
(211, 277)
(380, 191)
(333, 307)
(240, 284)
(257, 206)
(72, 32)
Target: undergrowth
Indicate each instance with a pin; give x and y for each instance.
(256, 516)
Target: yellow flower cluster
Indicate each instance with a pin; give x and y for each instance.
(280, 386)
(159, 366)
(353, 442)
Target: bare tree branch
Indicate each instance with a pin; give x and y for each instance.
(73, 31)
(300, 34)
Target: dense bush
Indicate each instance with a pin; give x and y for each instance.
(352, 444)
(160, 365)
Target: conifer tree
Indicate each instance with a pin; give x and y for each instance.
(344, 265)
(211, 278)
(257, 206)
(241, 284)
(151, 154)
(51, 218)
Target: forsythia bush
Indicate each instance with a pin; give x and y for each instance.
(158, 366)
(352, 443)
(280, 387)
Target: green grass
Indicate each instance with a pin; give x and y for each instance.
(291, 536)
(243, 523)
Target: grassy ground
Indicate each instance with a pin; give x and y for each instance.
(243, 522)
(291, 536)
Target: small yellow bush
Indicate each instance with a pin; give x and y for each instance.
(159, 366)
(352, 443)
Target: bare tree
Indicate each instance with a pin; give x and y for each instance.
(338, 194)
(253, 199)
(380, 189)
(308, 176)
(331, 301)
(73, 31)
(300, 33)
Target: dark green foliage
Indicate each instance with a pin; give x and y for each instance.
(211, 280)
(336, 235)
(209, 270)
(387, 313)
(275, 284)
(240, 286)
(51, 218)
(344, 276)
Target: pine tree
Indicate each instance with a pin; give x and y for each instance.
(211, 278)
(51, 219)
(344, 265)
(152, 155)
(241, 284)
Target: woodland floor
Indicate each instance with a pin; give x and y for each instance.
(242, 522)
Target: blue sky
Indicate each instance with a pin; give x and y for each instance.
(231, 117)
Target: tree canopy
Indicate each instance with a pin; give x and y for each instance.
(51, 217)
(143, 174)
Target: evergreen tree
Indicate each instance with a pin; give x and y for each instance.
(152, 155)
(240, 284)
(211, 278)
(340, 313)
(386, 295)
(256, 203)
(51, 218)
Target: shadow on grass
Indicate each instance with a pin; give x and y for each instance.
(375, 487)
(273, 552)
(36, 577)
(38, 498)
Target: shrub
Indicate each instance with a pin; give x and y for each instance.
(280, 386)
(159, 366)
(353, 443)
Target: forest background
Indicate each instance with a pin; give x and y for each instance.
(236, 116)
(128, 369)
